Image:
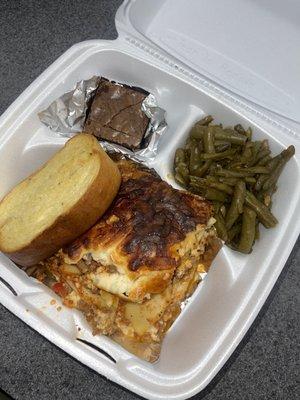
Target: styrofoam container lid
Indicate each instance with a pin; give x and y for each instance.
(249, 47)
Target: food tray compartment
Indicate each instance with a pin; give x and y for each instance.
(223, 307)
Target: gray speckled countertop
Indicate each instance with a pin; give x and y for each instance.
(265, 365)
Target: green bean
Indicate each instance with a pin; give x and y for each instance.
(179, 156)
(288, 153)
(263, 161)
(220, 226)
(240, 191)
(226, 173)
(237, 202)
(179, 179)
(197, 131)
(271, 190)
(232, 137)
(216, 205)
(255, 151)
(208, 141)
(210, 181)
(229, 181)
(181, 168)
(234, 231)
(205, 121)
(221, 186)
(200, 145)
(247, 153)
(260, 196)
(265, 144)
(200, 191)
(257, 145)
(264, 215)
(222, 145)
(218, 156)
(233, 181)
(189, 144)
(211, 178)
(250, 179)
(248, 231)
(197, 181)
(232, 245)
(262, 154)
(249, 133)
(182, 171)
(285, 156)
(203, 168)
(194, 157)
(266, 196)
(255, 170)
(222, 142)
(267, 200)
(217, 195)
(216, 129)
(213, 168)
(273, 162)
(271, 181)
(250, 162)
(239, 129)
(230, 130)
(223, 210)
(260, 181)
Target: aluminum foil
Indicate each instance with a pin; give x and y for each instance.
(67, 114)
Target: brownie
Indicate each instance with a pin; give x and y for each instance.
(116, 116)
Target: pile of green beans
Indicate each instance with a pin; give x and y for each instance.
(237, 174)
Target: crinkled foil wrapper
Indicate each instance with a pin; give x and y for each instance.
(67, 114)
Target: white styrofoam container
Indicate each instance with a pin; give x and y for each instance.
(158, 49)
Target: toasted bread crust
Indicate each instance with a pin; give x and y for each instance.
(88, 209)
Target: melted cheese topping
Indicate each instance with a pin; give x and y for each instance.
(138, 286)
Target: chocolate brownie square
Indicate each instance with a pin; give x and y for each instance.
(116, 116)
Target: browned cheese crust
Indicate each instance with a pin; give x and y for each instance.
(150, 215)
(142, 233)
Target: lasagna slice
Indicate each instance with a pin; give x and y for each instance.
(130, 273)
